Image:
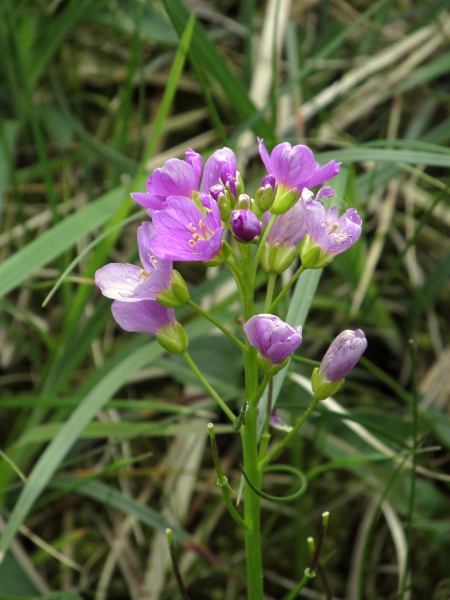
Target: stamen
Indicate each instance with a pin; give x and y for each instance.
(192, 228)
(143, 275)
(335, 227)
(192, 244)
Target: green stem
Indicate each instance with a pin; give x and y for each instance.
(287, 287)
(265, 436)
(238, 278)
(284, 442)
(269, 293)
(306, 577)
(222, 480)
(260, 391)
(208, 387)
(261, 245)
(217, 323)
(252, 507)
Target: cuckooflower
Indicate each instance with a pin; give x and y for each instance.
(275, 340)
(294, 168)
(150, 317)
(184, 231)
(129, 283)
(340, 358)
(175, 178)
(328, 234)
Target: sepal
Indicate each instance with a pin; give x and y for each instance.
(322, 388)
(173, 338)
(177, 294)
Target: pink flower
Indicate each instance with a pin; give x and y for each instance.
(175, 178)
(295, 167)
(328, 234)
(185, 232)
(220, 168)
(129, 283)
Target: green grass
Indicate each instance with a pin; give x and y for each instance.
(103, 436)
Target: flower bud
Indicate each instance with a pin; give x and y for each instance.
(216, 191)
(244, 202)
(264, 198)
(275, 340)
(224, 204)
(245, 225)
(340, 358)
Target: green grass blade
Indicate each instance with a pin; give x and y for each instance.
(206, 53)
(108, 496)
(58, 239)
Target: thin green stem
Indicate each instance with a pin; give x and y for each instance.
(287, 287)
(261, 245)
(265, 436)
(260, 391)
(252, 507)
(208, 387)
(285, 441)
(269, 292)
(217, 323)
(238, 278)
(233, 253)
(306, 577)
(222, 480)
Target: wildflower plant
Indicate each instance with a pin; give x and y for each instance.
(204, 214)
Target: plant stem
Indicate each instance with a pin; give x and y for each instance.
(261, 245)
(269, 292)
(285, 441)
(222, 480)
(252, 507)
(208, 387)
(287, 287)
(217, 323)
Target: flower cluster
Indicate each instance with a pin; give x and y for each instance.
(192, 206)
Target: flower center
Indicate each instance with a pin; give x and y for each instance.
(200, 233)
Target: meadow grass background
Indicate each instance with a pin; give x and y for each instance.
(103, 437)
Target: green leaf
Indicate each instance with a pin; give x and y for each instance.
(58, 239)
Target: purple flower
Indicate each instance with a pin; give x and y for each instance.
(129, 283)
(328, 234)
(340, 358)
(342, 355)
(295, 167)
(219, 168)
(288, 228)
(143, 317)
(245, 225)
(275, 339)
(175, 178)
(184, 232)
